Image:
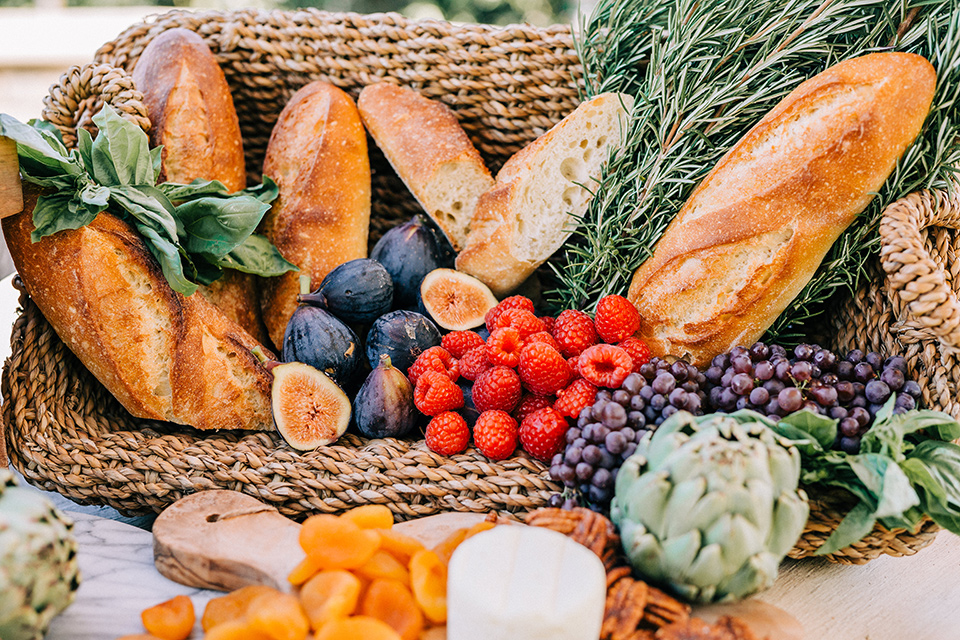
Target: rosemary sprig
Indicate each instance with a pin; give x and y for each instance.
(703, 73)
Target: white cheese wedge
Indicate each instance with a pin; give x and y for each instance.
(529, 583)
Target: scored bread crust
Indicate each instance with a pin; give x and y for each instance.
(164, 356)
(431, 153)
(540, 192)
(317, 155)
(756, 229)
(193, 117)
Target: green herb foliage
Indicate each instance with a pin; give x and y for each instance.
(907, 467)
(702, 74)
(193, 230)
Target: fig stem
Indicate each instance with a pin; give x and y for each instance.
(385, 360)
(304, 285)
(267, 363)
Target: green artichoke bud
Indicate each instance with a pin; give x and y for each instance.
(710, 506)
(38, 561)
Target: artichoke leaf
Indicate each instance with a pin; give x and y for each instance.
(680, 552)
(683, 498)
(760, 504)
(784, 468)
(647, 500)
(646, 553)
(745, 541)
(704, 513)
(790, 517)
(707, 570)
(758, 573)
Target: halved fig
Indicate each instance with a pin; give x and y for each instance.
(310, 410)
(455, 300)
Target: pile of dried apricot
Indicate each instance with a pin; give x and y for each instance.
(359, 579)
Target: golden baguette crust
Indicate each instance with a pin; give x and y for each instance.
(318, 156)
(539, 192)
(193, 117)
(431, 153)
(755, 230)
(162, 355)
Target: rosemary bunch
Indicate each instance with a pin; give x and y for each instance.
(703, 72)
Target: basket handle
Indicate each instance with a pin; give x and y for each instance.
(81, 92)
(911, 272)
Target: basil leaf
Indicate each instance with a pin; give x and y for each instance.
(121, 152)
(58, 182)
(885, 480)
(258, 256)
(58, 212)
(858, 523)
(32, 147)
(214, 226)
(941, 461)
(156, 158)
(85, 148)
(147, 210)
(199, 187)
(820, 428)
(170, 258)
(887, 436)
(267, 191)
(93, 195)
(49, 131)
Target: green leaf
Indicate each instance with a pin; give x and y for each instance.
(148, 210)
(170, 259)
(214, 226)
(93, 195)
(41, 157)
(49, 131)
(884, 479)
(58, 212)
(258, 256)
(156, 158)
(85, 148)
(858, 523)
(935, 467)
(199, 187)
(267, 191)
(121, 152)
(888, 436)
(821, 428)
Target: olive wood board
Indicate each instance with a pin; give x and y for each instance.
(225, 540)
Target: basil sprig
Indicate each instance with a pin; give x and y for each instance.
(207, 230)
(907, 467)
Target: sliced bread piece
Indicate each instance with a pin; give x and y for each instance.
(540, 192)
(430, 152)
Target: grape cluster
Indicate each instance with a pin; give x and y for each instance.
(671, 387)
(771, 381)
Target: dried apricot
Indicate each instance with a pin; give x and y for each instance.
(304, 571)
(170, 620)
(355, 628)
(392, 602)
(329, 595)
(445, 549)
(278, 615)
(235, 630)
(231, 607)
(384, 565)
(428, 577)
(337, 543)
(400, 546)
(370, 516)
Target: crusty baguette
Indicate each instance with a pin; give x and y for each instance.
(192, 115)
(539, 192)
(430, 152)
(318, 156)
(755, 230)
(162, 355)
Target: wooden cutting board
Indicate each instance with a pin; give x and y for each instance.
(225, 540)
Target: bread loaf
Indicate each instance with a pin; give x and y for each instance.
(755, 230)
(162, 355)
(430, 152)
(318, 156)
(192, 116)
(532, 208)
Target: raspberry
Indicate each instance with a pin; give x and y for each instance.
(617, 319)
(459, 342)
(436, 393)
(513, 302)
(503, 347)
(575, 398)
(542, 433)
(520, 319)
(497, 388)
(605, 365)
(448, 434)
(574, 364)
(544, 337)
(530, 403)
(575, 332)
(542, 369)
(638, 350)
(474, 363)
(434, 359)
(495, 434)
(548, 323)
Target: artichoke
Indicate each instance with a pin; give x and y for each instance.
(709, 505)
(38, 561)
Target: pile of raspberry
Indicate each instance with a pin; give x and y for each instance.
(528, 381)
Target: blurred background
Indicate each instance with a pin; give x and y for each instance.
(40, 39)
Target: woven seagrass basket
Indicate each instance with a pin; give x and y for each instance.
(508, 85)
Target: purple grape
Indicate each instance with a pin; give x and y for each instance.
(850, 445)
(648, 370)
(893, 378)
(728, 399)
(727, 377)
(877, 391)
(714, 396)
(714, 374)
(572, 434)
(604, 395)
(589, 430)
(646, 393)
(615, 442)
(721, 361)
(911, 387)
(838, 413)
(608, 460)
(678, 397)
(825, 396)
(861, 415)
(637, 403)
(742, 364)
(824, 359)
(601, 432)
(829, 379)
(658, 402)
(778, 350)
(774, 387)
(854, 356)
(790, 399)
(568, 475)
(783, 371)
(556, 500)
(896, 362)
(591, 456)
(741, 384)
(802, 371)
(693, 403)
(679, 371)
(668, 411)
(636, 419)
(633, 383)
(597, 410)
(859, 402)
(759, 396)
(849, 427)
(803, 352)
(863, 372)
(905, 402)
(664, 383)
(759, 351)
(614, 415)
(812, 406)
(763, 370)
(621, 397)
(772, 408)
(629, 434)
(742, 402)
(845, 391)
(874, 360)
(573, 456)
(601, 479)
(844, 370)
(631, 447)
